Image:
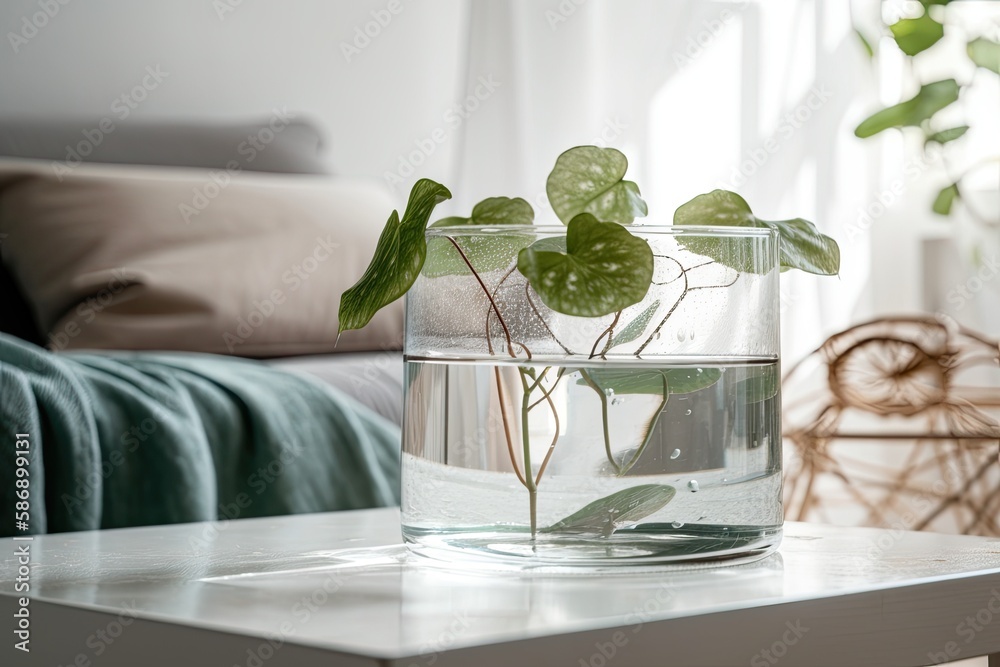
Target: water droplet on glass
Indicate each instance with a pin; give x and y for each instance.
(657, 335)
(677, 524)
(681, 335)
(691, 335)
(674, 454)
(609, 392)
(688, 411)
(725, 480)
(693, 485)
(617, 401)
(700, 371)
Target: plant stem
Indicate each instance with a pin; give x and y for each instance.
(604, 417)
(486, 291)
(529, 480)
(649, 430)
(506, 428)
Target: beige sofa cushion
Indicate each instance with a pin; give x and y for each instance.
(162, 258)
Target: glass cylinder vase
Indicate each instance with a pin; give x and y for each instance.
(646, 437)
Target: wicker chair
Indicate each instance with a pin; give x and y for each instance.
(902, 431)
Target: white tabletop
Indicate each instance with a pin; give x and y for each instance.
(335, 589)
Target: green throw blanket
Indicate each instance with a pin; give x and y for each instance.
(128, 439)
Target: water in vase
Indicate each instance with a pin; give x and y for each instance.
(570, 461)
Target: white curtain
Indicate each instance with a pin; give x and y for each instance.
(756, 97)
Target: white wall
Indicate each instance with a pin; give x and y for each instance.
(239, 64)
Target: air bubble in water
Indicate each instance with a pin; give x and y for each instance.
(681, 335)
(677, 524)
(693, 485)
(674, 454)
(691, 335)
(688, 411)
(609, 392)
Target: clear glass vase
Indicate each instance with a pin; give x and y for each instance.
(647, 437)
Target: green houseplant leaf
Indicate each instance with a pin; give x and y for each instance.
(944, 136)
(487, 252)
(494, 211)
(610, 512)
(802, 246)
(604, 269)
(589, 179)
(398, 258)
(631, 381)
(931, 98)
(985, 53)
(946, 199)
(634, 329)
(916, 35)
(760, 384)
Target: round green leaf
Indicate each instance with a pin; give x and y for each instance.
(604, 269)
(398, 258)
(486, 252)
(588, 179)
(916, 35)
(985, 53)
(802, 246)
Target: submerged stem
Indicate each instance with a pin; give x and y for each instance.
(529, 480)
(649, 430)
(604, 418)
(506, 428)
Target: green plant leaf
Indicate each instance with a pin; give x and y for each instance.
(634, 329)
(944, 136)
(928, 101)
(945, 199)
(604, 269)
(486, 252)
(985, 53)
(865, 44)
(610, 512)
(760, 384)
(802, 246)
(650, 381)
(588, 179)
(398, 258)
(916, 35)
(494, 211)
